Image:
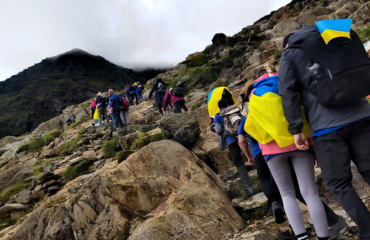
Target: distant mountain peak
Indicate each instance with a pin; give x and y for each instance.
(75, 51)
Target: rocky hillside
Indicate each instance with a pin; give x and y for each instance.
(236, 60)
(159, 178)
(44, 90)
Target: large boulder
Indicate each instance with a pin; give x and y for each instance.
(6, 140)
(218, 39)
(161, 184)
(183, 128)
(362, 13)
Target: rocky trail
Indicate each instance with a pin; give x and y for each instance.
(159, 178)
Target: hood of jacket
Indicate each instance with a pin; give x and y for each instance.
(302, 35)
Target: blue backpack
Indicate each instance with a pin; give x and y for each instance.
(162, 88)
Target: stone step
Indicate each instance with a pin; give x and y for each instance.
(255, 207)
(235, 188)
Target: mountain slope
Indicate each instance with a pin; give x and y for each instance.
(42, 91)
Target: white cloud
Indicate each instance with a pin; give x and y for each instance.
(126, 32)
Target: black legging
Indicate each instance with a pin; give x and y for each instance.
(134, 95)
(178, 105)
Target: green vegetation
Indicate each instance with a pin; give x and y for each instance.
(25, 134)
(220, 83)
(83, 119)
(197, 60)
(77, 170)
(109, 148)
(271, 25)
(145, 140)
(278, 55)
(122, 155)
(69, 147)
(364, 34)
(81, 131)
(84, 105)
(12, 190)
(37, 144)
(3, 164)
(198, 103)
(208, 49)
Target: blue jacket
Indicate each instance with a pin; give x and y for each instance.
(159, 97)
(113, 102)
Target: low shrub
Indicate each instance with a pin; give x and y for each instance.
(197, 60)
(69, 147)
(77, 170)
(12, 190)
(122, 155)
(145, 140)
(220, 83)
(364, 34)
(109, 148)
(278, 55)
(208, 49)
(36, 144)
(81, 131)
(25, 134)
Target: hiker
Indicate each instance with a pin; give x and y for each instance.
(133, 90)
(337, 225)
(214, 96)
(102, 108)
(114, 103)
(124, 111)
(232, 142)
(160, 89)
(340, 133)
(176, 96)
(139, 92)
(127, 90)
(264, 123)
(93, 108)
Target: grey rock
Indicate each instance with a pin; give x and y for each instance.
(23, 197)
(48, 169)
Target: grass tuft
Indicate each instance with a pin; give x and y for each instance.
(77, 170)
(364, 34)
(83, 119)
(198, 104)
(12, 190)
(145, 140)
(37, 144)
(197, 60)
(69, 147)
(109, 148)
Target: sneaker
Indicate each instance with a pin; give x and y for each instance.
(278, 212)
(340, 228)
(287, 234)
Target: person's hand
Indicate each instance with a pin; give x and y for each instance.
(251, 161)
(317, 165)
(301, 142)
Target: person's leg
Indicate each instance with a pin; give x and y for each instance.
(236, 157)
(92, 112)
(113, 120)
(118, 119)
(303, 163)
(334, 156)
(159, 106)
(137, 101)
(127, 119)
(280, 170)
(100, 112)
(105, 116)
(178, 107)
(122, 116)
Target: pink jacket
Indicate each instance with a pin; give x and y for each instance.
(93, 103)
(273, 148)
(173, 98)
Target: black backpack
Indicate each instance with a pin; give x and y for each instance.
(340, 74)
(162, 88)
(132, 88)
(120, 100)
(178, 91)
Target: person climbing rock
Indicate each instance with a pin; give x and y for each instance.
(341, 133)
(124, 111)
(176, 96)
(114, 103)
(93, 108)
(160, 89)
(133, 90)
(139, 92)
(235, 151)
(128, 95)
(264, 123)
(102, 108)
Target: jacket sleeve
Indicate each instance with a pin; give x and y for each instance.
(218, 128)
(165, 101)
(290, 94)
(151, 91)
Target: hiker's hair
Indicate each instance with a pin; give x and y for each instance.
(222, 104)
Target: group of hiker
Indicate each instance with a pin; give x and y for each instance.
(312, 113)
(116, 106)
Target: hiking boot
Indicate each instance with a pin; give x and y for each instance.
(249, 192)
(278, 212)
(287, 234)
(340, 228)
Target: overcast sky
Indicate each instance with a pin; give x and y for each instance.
(130, 33)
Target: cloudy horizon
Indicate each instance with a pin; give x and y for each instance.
(134, 34)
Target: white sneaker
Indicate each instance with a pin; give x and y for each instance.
(102, 123)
